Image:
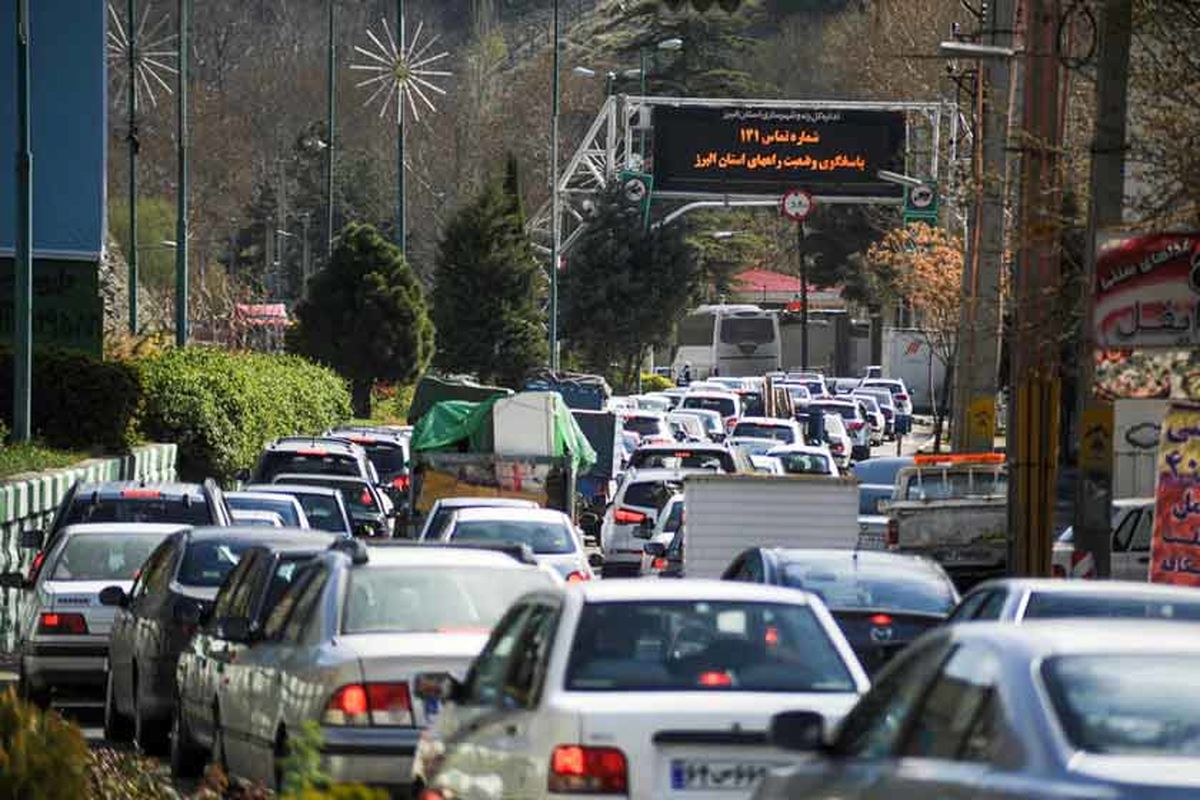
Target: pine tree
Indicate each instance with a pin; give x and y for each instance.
(485, 298)
(365, 316)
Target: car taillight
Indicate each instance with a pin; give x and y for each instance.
(659, 563)
(715, 678)
(625, 516)
(70, 624)
(141, 494)
(854, 425)
(836, 447)
(587, 770)
(891, 536)
(730, 424)
(577, 577)
(401, 483)
(359, 704)
(1057, 571)
(881, 620)
(36, 566)
(431, 794)
(903, 398)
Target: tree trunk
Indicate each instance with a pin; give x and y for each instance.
(360, 397)
(940, 406)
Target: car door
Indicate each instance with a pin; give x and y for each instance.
(1131, 545)
(130, 631)
(955, 736)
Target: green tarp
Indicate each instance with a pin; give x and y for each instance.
(457, 425)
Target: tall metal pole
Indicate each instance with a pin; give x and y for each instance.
(401, 221)
(181, 220)
(800, 232)
(1093, 494)
(23, 262)
(555, 209)
(330, 136)
(131, 23)
(305, 255)
(642, 91)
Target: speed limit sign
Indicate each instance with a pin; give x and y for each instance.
(797, 205)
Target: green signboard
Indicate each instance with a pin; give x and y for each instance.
(67, 310)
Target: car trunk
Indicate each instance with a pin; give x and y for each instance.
(876, 635)
(695, 744)
(399, 657)
(83, 597)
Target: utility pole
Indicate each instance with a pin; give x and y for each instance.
(131, 23)
(401, 221)
(330, 121)
(978, 357)
(1093, 490)
(305, 254)
(1033, 422)
(23, 255)
(803, 264)
(181, 220)
(555, 208)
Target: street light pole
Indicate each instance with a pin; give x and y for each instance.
(800, 234)
(23, 261)
(181, 221)
(555, 209)
(131, 23)
(401, 220)
(330, 110)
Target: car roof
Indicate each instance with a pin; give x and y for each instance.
(255, 495)
(811, 449)
(712, 394)
(292, 488)
(711, 447)
(372, 436)
(644, 413)
(661, 474)
(252, 534)
(773, 421)
(833, 401)
(485, 502)
(898, 461)
(326, 443)
(322, 476)
(882, 558)
(1031, 640)
(688, 589)
(319, 543)
(421, 555)
(109, 489)
(501, 513)
(1095, 588)
(123, 527)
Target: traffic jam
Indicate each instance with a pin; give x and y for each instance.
(736, 587)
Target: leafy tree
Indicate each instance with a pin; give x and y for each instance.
(624, 288)
(485, 295)
(156, 224)
(924, 265)
(365, 315)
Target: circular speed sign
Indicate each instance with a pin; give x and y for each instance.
(797, 205)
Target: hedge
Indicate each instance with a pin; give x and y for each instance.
(220, 407)
(79, 402)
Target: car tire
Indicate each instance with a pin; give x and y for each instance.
(149, 736)
(187, 758)
(37, 697)
(218, 756)
(117, 727)
(280, 755)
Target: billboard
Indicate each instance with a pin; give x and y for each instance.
(768, 151)
(1147, 292)
(1175, 549)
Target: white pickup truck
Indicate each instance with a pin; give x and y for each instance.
(727, 514)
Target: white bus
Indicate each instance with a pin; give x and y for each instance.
(728, 340)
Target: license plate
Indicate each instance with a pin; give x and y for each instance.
(705, 775)
(431, 706)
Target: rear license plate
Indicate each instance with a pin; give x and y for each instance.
(706, 775)
(431, 706)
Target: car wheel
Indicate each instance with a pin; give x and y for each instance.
(187, 758)
(116, 724)
(148, 735)
(281, 754)
(38, 697)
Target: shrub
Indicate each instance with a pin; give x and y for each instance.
(221, 407)
(79, 402)
(41, 754)
(655, 383)
(304, 778)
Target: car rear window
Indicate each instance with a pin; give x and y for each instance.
(722, 405)
(104, 556)
(357, 495)
(323, 512)
(853, 584)
(389, 460)
(396, 599)
(682, 458)
(1053, 605)
(704, 645)
(148, 509)
(751, 430)
(804, 463)
(644, 426)
(307, 462)
(843, 410)
(280, 505)
(747, 330)
(544, 538)
(207, 562)
(651, 494)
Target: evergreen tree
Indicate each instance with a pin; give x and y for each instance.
(624, 288)
(485, 297)
(365, 316)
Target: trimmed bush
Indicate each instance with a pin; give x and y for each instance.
(655, 383)
(79, 401)
(221, 407)
(41, 754)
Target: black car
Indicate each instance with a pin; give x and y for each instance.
(173, 593)
(240, 609)
(881, 601)
(312, 455)
(129, 501)
(388, 451)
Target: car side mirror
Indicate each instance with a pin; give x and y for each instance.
(655, 549)
(239, 629)
(114, 596)
(595, 560)
(188, 611)
(437, 686)
(12, 580)
(798, 731)
(33, 539)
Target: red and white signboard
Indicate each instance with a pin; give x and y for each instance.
(797, 205)
(1175, 548)
(1148, 292)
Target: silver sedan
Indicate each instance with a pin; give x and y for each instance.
(1079, 709)
(341, 649)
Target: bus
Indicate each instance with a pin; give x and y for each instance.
(728, 340)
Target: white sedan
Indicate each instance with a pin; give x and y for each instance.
(644, 689)
(801, 459)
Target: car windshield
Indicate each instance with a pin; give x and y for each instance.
(754, 430)
(756, 448)
(104, 556)
(722, 405)
(853, 583)
(323, 512)
(544, 538)
(689, 645)
(388, 459)
(747, 330)
(709, 423)
(282, 506)
(307, 462)
(1055, 605)
(845, 410)
(147, 509)
(395, 599)
(752, 404)
(1138, 704)
(680, 459)
(879, 471)
(644, 426)
(943, 485)
(803, 463)
(207, 562)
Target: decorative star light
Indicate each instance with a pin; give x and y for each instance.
(403, 71)
(151, 55)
